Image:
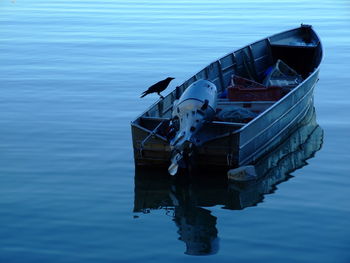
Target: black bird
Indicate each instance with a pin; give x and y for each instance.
(158, 87)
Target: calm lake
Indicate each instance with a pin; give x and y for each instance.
(71, 74)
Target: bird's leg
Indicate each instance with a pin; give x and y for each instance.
(160, 95)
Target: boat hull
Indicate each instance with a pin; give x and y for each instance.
(228, 144)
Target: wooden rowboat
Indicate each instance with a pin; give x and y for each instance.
(236, 143)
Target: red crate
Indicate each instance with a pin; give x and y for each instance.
(242, 89)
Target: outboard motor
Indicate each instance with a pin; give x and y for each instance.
(195, 107)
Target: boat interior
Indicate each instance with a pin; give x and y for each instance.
(266, 71)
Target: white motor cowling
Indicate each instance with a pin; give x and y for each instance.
(195, 107)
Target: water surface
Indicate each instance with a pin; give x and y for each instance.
(71, 73)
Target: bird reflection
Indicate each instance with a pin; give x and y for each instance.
(185, 200)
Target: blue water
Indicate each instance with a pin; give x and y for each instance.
(71, 73)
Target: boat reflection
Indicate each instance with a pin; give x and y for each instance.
(156, 189)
